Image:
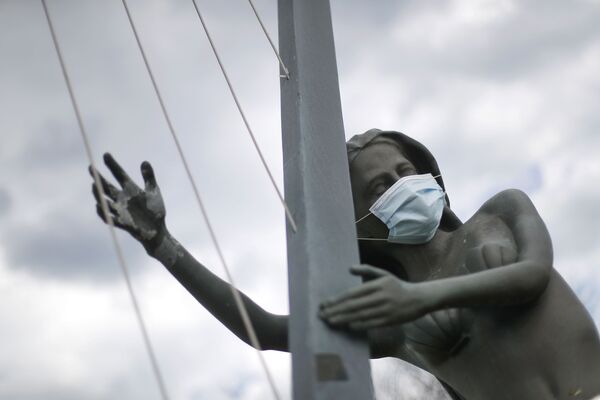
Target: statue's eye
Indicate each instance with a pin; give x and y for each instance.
(379, 189)
(406, 170)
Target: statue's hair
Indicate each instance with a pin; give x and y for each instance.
(413, 150)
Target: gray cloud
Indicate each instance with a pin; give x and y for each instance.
(587, 291)
(393, 75)
(441, 40)
(5, 201)
(575, 228)
(55, 144)
(64, 246)
(48, 394)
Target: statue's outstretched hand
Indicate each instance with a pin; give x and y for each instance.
(141, 212)
(385, 300)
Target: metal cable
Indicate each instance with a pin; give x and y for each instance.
(285, 70)
(288, 213)
(234, 291)
(107, 214)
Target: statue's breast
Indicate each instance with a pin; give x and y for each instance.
(483, 244)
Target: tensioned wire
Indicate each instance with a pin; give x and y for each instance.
(285, 70)
(237, 297)
(288, 213)
(234, 291)
(107, 214)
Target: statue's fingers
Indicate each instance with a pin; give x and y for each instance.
(355, 304)
(360, 316)
(96, 193)
(368, 271)
(492, 256)
(357, 291)
(148, 175)
(113, 215)
(110, 205)
(101, 213)
(118, 172)
(508, 255)
(108, 192)
(369, 324)
(109, 189)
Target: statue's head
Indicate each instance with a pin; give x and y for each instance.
(377, 159)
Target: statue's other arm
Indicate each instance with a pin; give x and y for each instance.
(515, 283)
(386, 300)
(141, 212)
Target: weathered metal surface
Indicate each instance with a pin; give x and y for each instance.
(326, 364)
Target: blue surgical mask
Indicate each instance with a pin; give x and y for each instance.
(411, 209)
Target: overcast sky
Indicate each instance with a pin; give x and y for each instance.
(504, 93)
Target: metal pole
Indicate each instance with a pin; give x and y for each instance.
(326, 364)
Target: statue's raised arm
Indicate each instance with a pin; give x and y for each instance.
(141, 212)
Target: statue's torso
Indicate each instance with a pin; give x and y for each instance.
(544, 349)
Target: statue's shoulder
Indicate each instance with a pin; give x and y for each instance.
(509, 203)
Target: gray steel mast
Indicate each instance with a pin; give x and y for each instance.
(326, 364)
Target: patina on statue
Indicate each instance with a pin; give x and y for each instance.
(479, 305)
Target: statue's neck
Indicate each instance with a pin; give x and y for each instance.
(419, 262)
(414, 262)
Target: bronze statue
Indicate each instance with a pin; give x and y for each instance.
(477, 304)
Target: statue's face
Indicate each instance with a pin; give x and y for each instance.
(372, 172)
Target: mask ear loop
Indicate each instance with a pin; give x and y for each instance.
(360, 219)
(361, 238)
